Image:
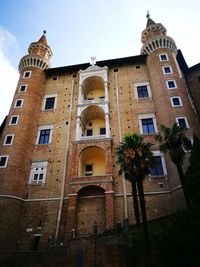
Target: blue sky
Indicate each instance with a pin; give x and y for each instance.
(77, 30)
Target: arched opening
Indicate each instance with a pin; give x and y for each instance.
(93, 122)
(92, 162)
(91, 210)
(93, 88)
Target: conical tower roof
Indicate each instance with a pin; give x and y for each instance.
(43, 39)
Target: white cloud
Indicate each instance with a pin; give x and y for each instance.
(8, 74)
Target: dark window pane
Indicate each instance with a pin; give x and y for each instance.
(182, 123)
(50, 103)
(171, 84)
(41, 176)
(3, 161)
(147, 126)
(35, 177)
(89, 132)
(8, 139)
(142, 91)
(88, 168)
(44, 136)
(102, 131)
(163, 57)
(22, 88)
(14, 120)
(176, 101)
(157, 169)
(18, 103)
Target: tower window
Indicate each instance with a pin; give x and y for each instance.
(3, 161)
(88, 170)
(50, 101)
(163, 57)
(167, 70)
(18, 103)
(38, 172)
(137, 67)
(27, 74)
(23, 88)
(55, 78)
(8, 139)
(142, 91)
(171, 84)
(182, 121)
(14, 120)
(176, 101)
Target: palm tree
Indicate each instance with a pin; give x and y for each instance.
(173, 140)
(134, 158)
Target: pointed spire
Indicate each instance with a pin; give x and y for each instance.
(43, 39)
(149, 20)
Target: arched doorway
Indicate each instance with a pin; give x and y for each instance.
(91, 210)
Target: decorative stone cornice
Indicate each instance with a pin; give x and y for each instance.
(159, 42)
(34, 61)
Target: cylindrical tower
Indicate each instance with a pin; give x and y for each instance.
(169, 91)
(19, 135)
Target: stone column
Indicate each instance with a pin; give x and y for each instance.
(107, 123)
(106, 90)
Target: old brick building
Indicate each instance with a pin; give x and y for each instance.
(58, 167)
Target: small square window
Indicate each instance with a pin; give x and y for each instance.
(176, 101)
(137, 67)
(171, 84)
(23, 88)
(3, 161)
(142, 91)
(18, 103)
(163, 57)
(8, 140)
(55, 78)
(50, 101)
(182, 121)
(167, 70)
(102, 131)
(14, 120)
(27, 74)
(90, 123)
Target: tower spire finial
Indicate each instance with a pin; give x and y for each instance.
(147, 15)
(44, 31)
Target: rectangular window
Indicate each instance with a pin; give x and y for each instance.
(50, 101)
(89, 132)
(88, 170)
(23, 88)
(182, 121)
(3, 161)
(171, 84)
(148, 126)
(176, 101)
(18, 103)
(157, 168)
(27, 74)
(14, 120)
(38, 172)
(8, 139)
(167, 70)
(44, 135)
(102, 131)
(163, 57)
(142, 91)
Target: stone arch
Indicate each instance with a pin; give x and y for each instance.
(91, 161)
(93, 88)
